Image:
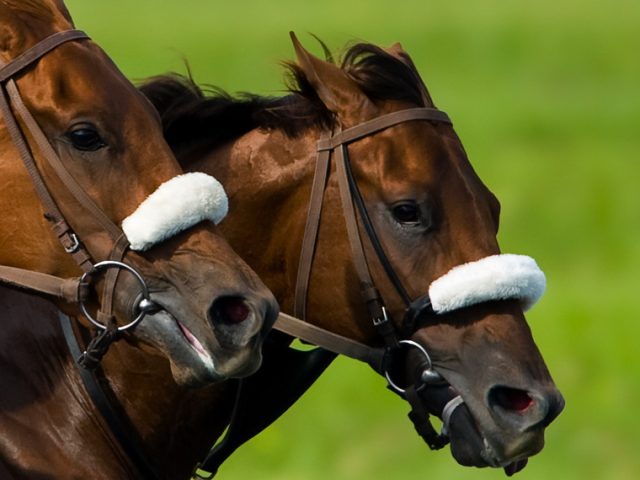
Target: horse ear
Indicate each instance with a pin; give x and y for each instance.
(397, 51)
(338, 92)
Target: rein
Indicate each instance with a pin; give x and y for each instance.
(72, 290)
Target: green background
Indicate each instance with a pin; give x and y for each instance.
(545, 97)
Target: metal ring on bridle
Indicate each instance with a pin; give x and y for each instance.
(114, 264)
(422, 350)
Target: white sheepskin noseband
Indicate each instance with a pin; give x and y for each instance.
(176, 205)
(498, 277)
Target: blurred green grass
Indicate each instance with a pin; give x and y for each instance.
(545, 98)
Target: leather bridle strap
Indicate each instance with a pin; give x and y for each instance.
(70, 290)
(238, 433)
(40, 49)
(349, 193)
(114, 419)
(62, 288)
(330, 341)
(382, 123)
(54, 160)
(310, 238)
(9, 95)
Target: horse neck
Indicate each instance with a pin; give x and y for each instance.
(175, 425)
(268, 176)
(43, 400)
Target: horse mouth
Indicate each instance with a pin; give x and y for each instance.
(469, 446)
(188, 356)
(194, 343)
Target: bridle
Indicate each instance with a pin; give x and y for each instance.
(313, 363)
(395, 339)
(72, 290)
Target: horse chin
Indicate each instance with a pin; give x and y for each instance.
(475, 448)
(196, 361)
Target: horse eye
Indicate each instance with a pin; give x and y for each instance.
(85, 138)
(406, 212)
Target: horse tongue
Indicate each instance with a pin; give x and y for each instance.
(515, 467)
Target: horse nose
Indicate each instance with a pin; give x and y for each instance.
(237, 309)
(525, 409)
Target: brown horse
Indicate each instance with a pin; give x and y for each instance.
(426, 207)
(82, 150)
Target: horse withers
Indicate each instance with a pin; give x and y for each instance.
(89, 185)
(363, 141)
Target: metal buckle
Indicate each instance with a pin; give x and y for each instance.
(428, 375)
(200, 474)
(377, 321)
(145, 305)
(75, 244)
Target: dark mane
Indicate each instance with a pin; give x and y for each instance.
(196, 119)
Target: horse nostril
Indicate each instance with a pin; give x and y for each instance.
(229, 310)
(510, 399)
(556, 405)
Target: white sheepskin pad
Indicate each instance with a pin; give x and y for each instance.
(176, 205)
(498, 277)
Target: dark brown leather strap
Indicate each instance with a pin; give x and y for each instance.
(118, 425)
(9, 95)
(381, 123)
(110, 280)
(66, 289)
(329, 340)
(357, 250)
(348, 190)
(41, 48)
(311, 233)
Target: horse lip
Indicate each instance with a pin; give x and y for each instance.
(192, 339)
(187, 336)
(487, 454)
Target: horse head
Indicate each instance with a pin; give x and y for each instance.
(211, 311)
(430, 213)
